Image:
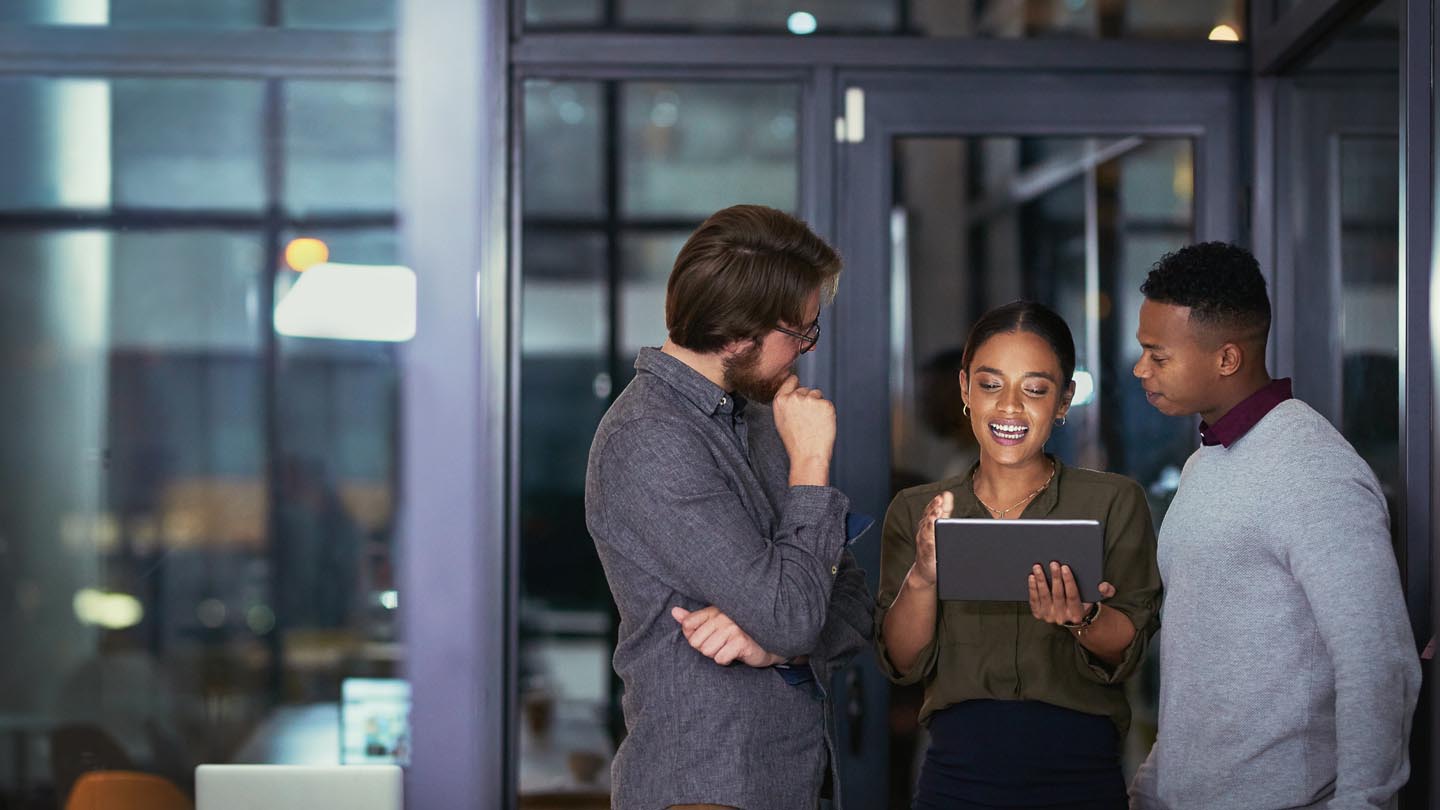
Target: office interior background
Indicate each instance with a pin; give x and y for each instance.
(240, 527)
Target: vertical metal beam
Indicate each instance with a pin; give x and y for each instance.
(1093, 363)
(453, 552)
(274, 470)
(819, 104)
(1264, 197)
(1417, 173)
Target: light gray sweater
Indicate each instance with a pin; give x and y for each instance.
(1288, 672)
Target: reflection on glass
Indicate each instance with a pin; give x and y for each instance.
(1074, 223)
(1010, 19)
(339, 146)
(200, 547)
(691, 149)
(592, 293)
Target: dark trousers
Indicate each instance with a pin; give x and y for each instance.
(1016, 753)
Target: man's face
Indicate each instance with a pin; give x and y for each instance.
(1177, 367)
(757, 372)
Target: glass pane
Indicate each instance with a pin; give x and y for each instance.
(136, 13)
(691, 149)
(1370, 300)
(564, 165)
(149, 143)
(1008, 19)
(1339, 223)
(592, 292)
(361, 15)
(646, 260)
(1075, 223)
(186, 290)
(563, 13)
(339, 146)
(566, 619)
(183, 143)
(366, 15)
(56, 149)
(831, 16)
(202, 549)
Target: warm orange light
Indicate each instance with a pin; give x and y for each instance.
(304, 253)
(1224, 33)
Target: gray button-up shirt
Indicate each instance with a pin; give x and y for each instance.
(688, 500)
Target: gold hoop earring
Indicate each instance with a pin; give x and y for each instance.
(965, 409)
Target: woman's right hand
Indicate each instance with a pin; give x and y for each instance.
(922, 572)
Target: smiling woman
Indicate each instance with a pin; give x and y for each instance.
(1071, 656)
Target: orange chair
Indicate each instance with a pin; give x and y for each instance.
(125, 790)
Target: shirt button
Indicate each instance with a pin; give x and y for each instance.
(834, 569)
(722, 400)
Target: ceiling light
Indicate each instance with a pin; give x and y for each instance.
(350, 302)
(1224, 33)
(802, 23)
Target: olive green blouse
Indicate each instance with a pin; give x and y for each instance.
(997, 650)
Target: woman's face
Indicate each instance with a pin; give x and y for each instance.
(1015, 395)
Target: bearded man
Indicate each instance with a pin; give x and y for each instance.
(709, 500)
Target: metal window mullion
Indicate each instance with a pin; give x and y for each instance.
(274, 183)
(257, 53)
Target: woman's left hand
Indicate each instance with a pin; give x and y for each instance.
(1056, 599)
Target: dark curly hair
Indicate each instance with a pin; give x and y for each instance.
(1219, 282)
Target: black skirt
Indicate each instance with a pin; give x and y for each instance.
(1020, 753)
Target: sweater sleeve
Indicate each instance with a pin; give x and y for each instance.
(1338, 550)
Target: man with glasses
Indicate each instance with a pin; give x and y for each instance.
(708, 498)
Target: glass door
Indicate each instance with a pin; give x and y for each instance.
(968, 192)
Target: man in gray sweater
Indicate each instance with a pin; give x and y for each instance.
(1288, 671)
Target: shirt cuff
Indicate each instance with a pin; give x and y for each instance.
(1101, 670)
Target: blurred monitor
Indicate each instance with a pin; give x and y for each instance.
(374, 721)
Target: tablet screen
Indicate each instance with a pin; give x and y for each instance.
(990, 560)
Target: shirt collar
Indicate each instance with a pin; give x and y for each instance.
(1236, 422)
(705, 395)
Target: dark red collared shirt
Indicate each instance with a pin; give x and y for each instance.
(1238, 420)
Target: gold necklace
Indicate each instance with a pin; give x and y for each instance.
(1000, 513)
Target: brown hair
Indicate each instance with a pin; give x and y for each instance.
(746, 270)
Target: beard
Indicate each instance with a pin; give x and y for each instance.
(743, 376)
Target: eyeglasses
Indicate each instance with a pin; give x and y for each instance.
(808, 338)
